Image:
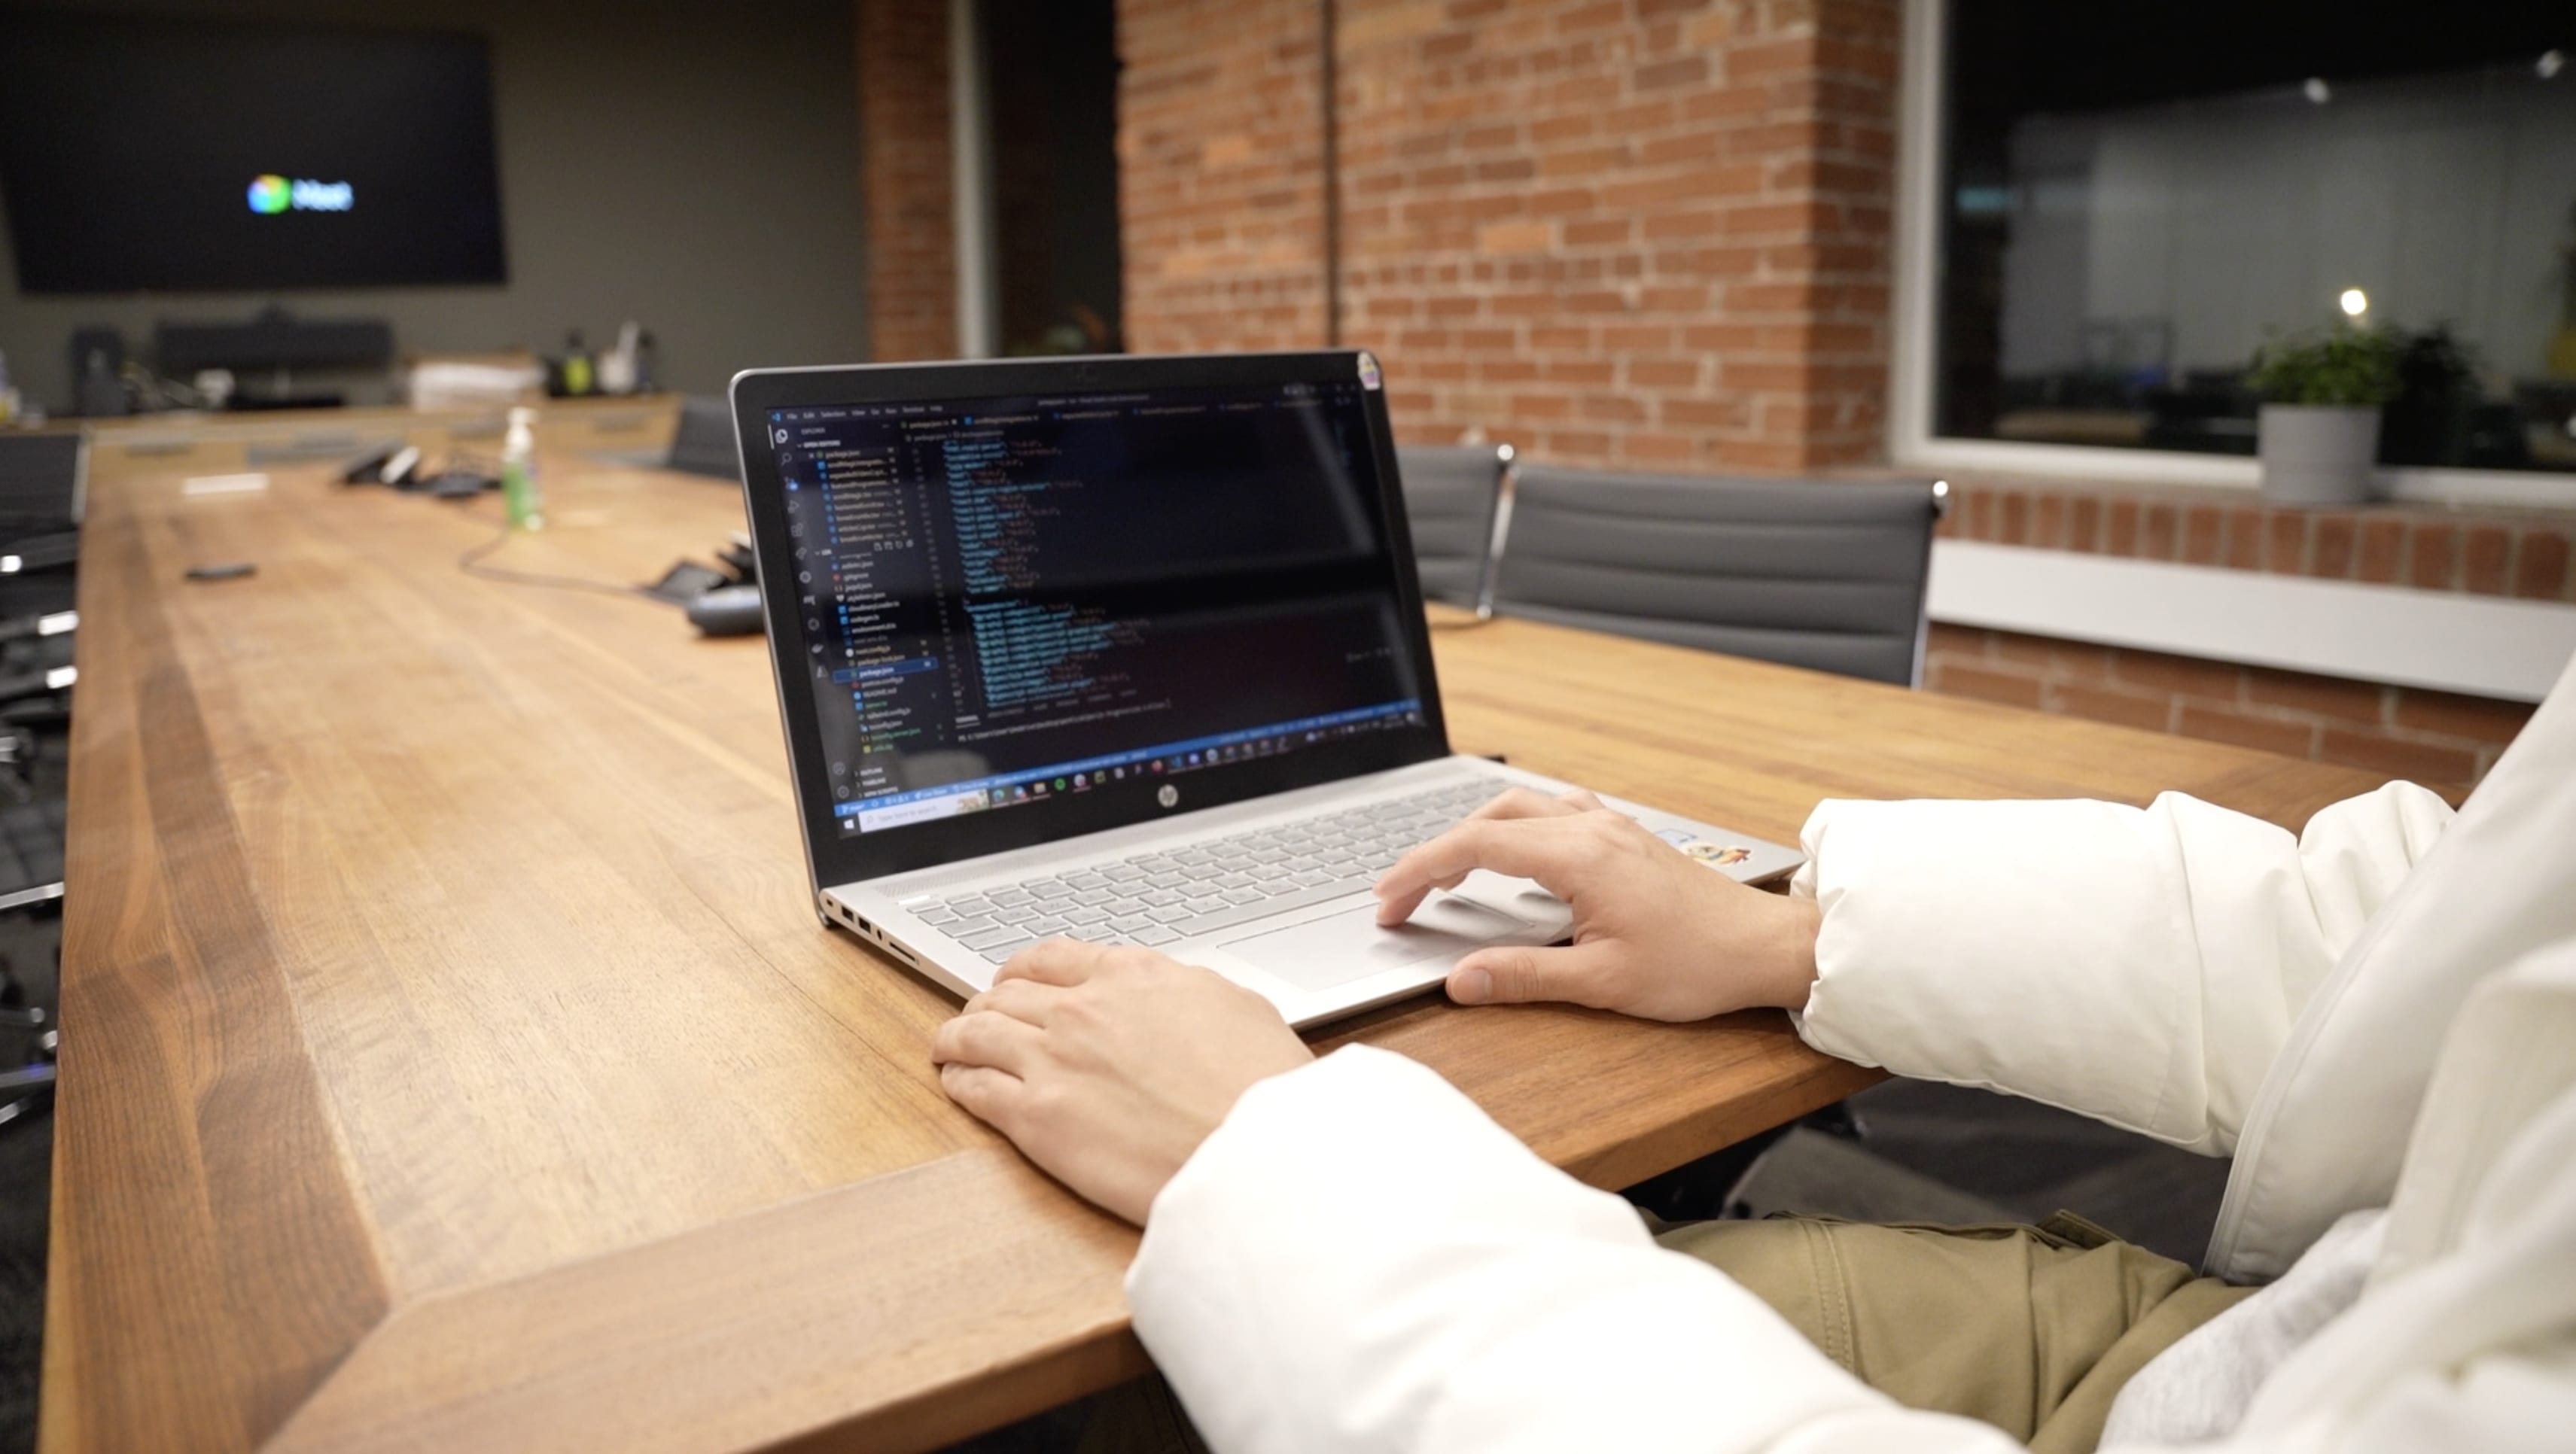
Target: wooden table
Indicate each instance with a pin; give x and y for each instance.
(452, 1058)
(203, 444)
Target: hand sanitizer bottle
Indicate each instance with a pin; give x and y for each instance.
(519, 496)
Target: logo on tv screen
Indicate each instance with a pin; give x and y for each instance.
(271, 194)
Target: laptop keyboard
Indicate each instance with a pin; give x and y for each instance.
(1173, 894)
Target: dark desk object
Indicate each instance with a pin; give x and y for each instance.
(1452, 498)
(704, 444)
(275, 342)
(43, 481)
(40, 483)
(1824, 574)
(42, 478)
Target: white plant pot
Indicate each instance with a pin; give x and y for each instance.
(2317, 454)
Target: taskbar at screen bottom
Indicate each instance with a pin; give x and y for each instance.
(1042, 784)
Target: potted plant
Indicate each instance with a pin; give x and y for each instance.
(2320, 423)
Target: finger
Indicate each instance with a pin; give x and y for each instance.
(988, 1095)
(1524, 803)
(1028, 1000)
(1064, 962)
(1546, 849)
(987, 1039)
(1519, 974)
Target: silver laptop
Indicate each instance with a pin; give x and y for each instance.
(1124, 649)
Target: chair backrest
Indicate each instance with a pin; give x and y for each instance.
(40, 483)
(1449, 502)
(704, 444)
(1815, 573)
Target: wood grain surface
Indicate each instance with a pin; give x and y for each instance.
(452, 1058)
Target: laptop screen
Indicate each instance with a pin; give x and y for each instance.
(1014, 604)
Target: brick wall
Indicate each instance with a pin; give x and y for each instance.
(2443, 741)
(2479, 552)
(1642, 234)
(1638, 233)
(1220, 174)
(904, 161)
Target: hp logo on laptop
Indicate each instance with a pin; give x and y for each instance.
(1167, 795)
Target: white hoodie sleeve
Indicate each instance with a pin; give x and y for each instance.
(2140, 966)
(1360, 1260)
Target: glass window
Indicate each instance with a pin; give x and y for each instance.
(2136, 197)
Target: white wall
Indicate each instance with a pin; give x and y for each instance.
(2444, 197)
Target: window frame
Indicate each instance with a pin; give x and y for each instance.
(1921, 150)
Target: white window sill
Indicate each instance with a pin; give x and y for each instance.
(2080, 464)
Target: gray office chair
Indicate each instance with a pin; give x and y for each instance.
(1823, 574)
(1451, 500)
(704, 444)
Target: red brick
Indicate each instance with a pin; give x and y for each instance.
(1686, 71)
(2336, 697)
(2031, 651)
(2486, 551)
(1986, 684)
(2453, 715)
(1647, 124)
(2048, 522)
(2070, 661)
(2337, 540)
(2202, 525)
(2084, 523)
(2281, 735)
(2120, 533)
(2245, 539)
(903, 165)
(2012, 521)
(1977, 511)
(2186, 675)
(2383, 551)
(2432, 558)
(2540, 565)
(1946, 639)
(2430, 764)
(2285, 542)
(2157, 528)
(2125, 709)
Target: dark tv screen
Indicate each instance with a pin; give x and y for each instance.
(142, 153)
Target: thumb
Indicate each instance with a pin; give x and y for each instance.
(1516, 974)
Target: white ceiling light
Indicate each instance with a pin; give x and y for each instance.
(2316, 90)
(2551, 62)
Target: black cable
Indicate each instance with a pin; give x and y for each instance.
(471, 562)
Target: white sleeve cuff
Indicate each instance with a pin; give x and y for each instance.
(1360, 1259)
(2141, 966)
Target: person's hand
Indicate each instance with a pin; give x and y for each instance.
(1656, 933)
(1108, 1067)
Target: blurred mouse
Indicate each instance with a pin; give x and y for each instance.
(727, 611)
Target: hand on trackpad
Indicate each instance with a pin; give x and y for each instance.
(1339, 948)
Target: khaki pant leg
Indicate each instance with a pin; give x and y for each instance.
(2027, 1329)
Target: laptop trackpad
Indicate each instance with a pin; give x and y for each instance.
(1339, 948)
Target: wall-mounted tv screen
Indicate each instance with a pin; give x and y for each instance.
(141, 153)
